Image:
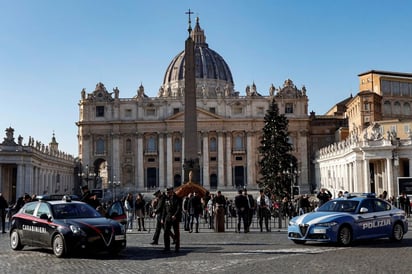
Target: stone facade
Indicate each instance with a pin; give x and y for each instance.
(378, 149)
(34, 168)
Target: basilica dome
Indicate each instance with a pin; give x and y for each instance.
(213, 75)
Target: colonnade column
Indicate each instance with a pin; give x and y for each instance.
(169, 158)
(220, 160)
(139, 162)
(163, 182)
(229, 159)
(365, 177)
(389, 177)
(115, 158)
(205, 160)
(250, 168)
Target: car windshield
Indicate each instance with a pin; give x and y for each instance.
(74, 211)
(339, 206)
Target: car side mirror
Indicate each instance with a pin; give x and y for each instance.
(363, 210)
(44, 216)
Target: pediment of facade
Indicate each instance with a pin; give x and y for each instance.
(201, 115)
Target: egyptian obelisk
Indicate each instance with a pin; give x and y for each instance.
(191, 159)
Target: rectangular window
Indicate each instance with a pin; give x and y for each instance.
(128, 113)
(406, 128)
(237, 110)
(289, 108)
(212, 110)
(99, 111)
(176, 110)
(260, 111)
(150, 112)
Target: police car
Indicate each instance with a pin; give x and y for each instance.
(65, 226)
(353, 217)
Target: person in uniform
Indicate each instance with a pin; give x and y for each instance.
(158, 204)
(172, 214)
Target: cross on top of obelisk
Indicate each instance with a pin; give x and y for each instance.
(190, 22)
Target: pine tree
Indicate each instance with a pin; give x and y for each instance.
(276, 162)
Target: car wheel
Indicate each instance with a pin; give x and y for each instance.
(299, 242)
(15, 242)
(345, 236)
(397, 232)
(59, 248)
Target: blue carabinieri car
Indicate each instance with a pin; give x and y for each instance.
(353, 217)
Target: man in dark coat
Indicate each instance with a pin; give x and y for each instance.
(195, 210)
(252, 208)
(158, 205)
(3, 208)
(242, 210)
(172, 214)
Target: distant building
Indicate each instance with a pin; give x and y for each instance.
(378, 149)
(34, 168)
(139, 141)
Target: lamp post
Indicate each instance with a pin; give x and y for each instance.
(88, 175)
(114, 184)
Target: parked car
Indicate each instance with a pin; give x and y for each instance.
(66, 225)
(353, 217)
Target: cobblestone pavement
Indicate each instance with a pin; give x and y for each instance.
(210, 252)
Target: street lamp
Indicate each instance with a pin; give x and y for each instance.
(88, 175)
(114, 184)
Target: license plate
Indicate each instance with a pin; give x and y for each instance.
(119, 237)
(319, 230)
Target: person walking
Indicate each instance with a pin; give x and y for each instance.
(252, 208)
(263, 211)
(211, 211)
(128, 205)
(220, 208)
(242, 208)
(3, 208)
(139, 209)
(158, 205)
(172, 214)
(405, 204)
(195, 210)
(185, 209)
(324, 195)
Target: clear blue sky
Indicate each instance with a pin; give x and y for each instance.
(50, 50)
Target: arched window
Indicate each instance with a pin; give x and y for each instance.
(396, 108)
(239, 142)
(406, 109)
(177, 145)
(387, 107)
(128, 146)
(213, 144)
(151, 144)
(100, 146)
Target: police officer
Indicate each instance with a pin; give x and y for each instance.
(172, 213)
(158, 205)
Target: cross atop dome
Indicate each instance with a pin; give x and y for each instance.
(189, 12)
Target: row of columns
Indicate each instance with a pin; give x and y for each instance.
(165, 159)
(33, 179)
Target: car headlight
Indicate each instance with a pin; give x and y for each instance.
(123, 228)
(328, 224)
(75, 229)
(292, 223)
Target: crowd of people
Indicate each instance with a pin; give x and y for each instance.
(169, 210)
